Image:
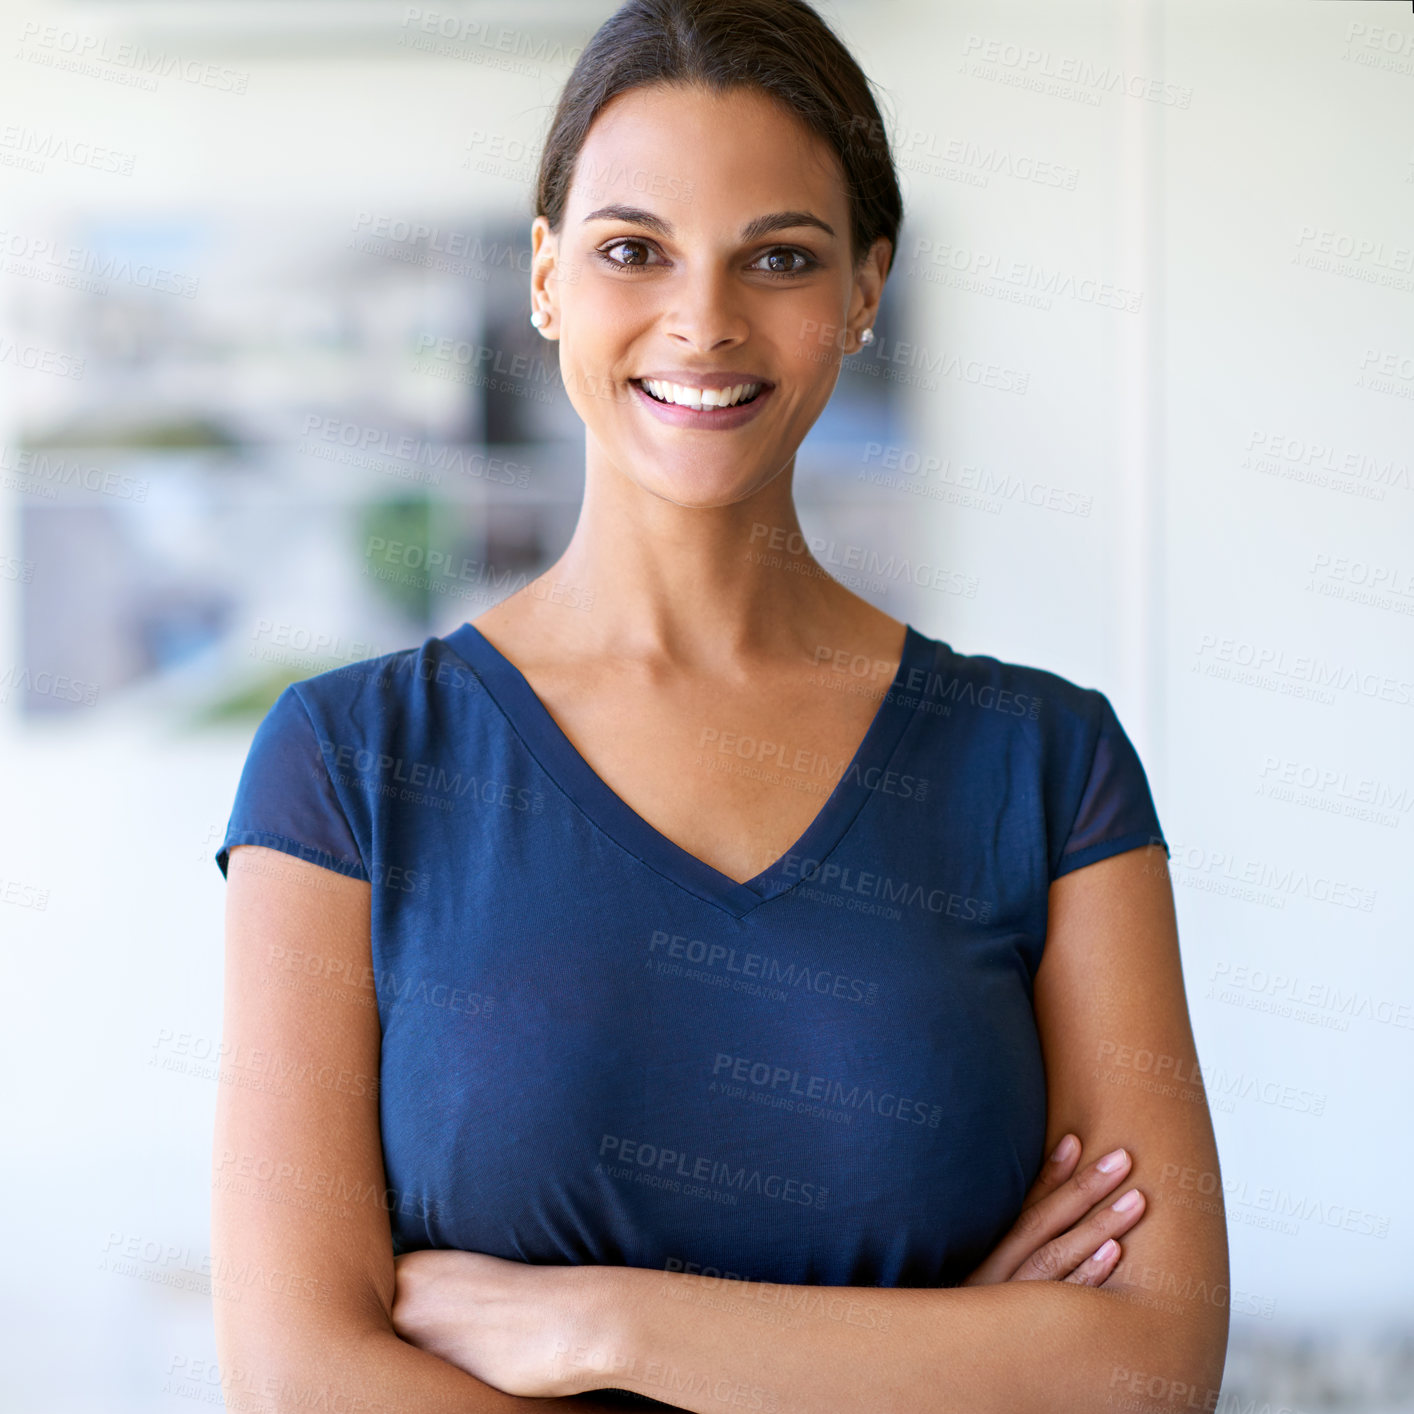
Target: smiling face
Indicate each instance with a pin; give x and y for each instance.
(704, 258)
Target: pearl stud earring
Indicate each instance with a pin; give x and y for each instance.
(866, 336)
(538, 318)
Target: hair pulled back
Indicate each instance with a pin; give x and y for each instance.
(781, 47)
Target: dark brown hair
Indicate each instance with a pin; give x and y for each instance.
(782, 47)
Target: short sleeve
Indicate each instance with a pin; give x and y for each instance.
(1116, 810)
(286, 800)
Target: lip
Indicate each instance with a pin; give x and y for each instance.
(713, 420)
(688, 379)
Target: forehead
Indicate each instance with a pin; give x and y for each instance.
(687, 153)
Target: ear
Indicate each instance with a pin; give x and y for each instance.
(544, 275)
(869, 284)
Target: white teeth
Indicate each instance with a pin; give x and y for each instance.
(700, 398)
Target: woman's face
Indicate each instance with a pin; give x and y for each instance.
(705, 244)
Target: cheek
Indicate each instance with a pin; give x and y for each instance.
(809, 334)
(599, 326)
(603, 305)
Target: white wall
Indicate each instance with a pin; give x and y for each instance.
(1273, 130)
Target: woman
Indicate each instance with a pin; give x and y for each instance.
(681, 997)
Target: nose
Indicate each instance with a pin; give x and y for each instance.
(705, 314)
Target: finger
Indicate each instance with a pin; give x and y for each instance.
(1055, 1170)
(1003, 1259)
(1054, 1214)
(1059, 1258)
(1094, 1270)
(1066, 1204)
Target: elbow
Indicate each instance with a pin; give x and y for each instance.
(1170, 1357)
(270, 1366)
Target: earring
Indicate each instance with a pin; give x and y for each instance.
(538, 318)
(866, 336)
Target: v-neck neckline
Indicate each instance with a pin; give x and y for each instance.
(543, 737)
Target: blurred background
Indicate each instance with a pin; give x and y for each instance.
(1143, 391)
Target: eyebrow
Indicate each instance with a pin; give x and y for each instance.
(753, 230)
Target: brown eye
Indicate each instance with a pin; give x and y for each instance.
(785, 260)
(638, 252)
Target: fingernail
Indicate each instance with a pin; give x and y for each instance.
(1128, 1203)
(1063, 1149)
(1111, 1161)
(1107, 1250)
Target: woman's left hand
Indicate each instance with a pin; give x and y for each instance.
(513, 1325)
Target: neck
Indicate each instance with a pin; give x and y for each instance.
(695, 586)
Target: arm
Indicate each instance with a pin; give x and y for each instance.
(302, 1290)
(1110, 984)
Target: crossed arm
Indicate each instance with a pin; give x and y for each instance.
(470, 1332)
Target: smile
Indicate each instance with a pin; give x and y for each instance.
(710, 409)
(700, 399)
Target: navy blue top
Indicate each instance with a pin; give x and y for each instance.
(599, 1049)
